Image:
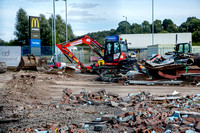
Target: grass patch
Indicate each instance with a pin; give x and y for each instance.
(196, 44)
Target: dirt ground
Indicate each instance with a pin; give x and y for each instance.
(81, 81)
(28, 99)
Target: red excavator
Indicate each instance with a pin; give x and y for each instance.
(114, 56)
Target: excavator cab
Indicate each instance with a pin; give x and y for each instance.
(183, 48)
(113, 48)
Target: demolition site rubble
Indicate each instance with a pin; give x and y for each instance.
(172, 69)
(94, 111)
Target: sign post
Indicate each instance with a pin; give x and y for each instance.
(34, 30)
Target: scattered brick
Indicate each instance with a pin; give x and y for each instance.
(128, 113)
(81, 131)
(190, 119)
(115, 126)
(139, 113)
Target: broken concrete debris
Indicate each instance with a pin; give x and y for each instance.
(172, 67)
(175, 69)
(102, 111)
(144, 113)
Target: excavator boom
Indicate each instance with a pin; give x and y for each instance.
(81, 40)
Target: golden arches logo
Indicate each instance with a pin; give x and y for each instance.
(35, 22)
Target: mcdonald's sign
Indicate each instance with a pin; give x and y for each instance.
(34, 32)
(35, 23)
(34, 27)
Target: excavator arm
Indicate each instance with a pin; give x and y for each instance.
(81, 40)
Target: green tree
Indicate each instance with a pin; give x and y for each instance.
(61, 30)
(196, 36)
(191, 25)
(45, 31)
(124, 27)
(169, 26)
(22, 28)
(70, 34)
(99, 36)
(183, 27)
(112, 32)
(146, 27)
(166, 23)
(136, 28)
(2, 42)
(157, 26)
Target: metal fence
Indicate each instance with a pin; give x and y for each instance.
(84, 54)
(45, 50)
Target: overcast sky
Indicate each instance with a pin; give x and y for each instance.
(97, 15)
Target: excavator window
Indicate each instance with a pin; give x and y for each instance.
(116, 47)
(109, 49)
(123, 47)
(180, 48)
(187, 48)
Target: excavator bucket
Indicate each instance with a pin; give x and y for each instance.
(68, 70)
(28, 62)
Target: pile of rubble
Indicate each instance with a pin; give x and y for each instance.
(173, 69)
(103, 111)
(25, 86)
(173, 65)
(139, 113)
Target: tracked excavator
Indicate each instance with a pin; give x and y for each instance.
(114, 56)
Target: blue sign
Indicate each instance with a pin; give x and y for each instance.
(35, 43)
(112, 38)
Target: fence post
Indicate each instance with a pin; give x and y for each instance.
(80, 55)
(82, 51)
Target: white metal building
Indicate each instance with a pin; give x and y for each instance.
(140, 41)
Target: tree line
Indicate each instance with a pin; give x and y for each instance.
(192, 24)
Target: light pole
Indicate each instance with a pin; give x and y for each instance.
(54, 28)
(126, 24)
(66, 18)
(52, 31)
(152, 22)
